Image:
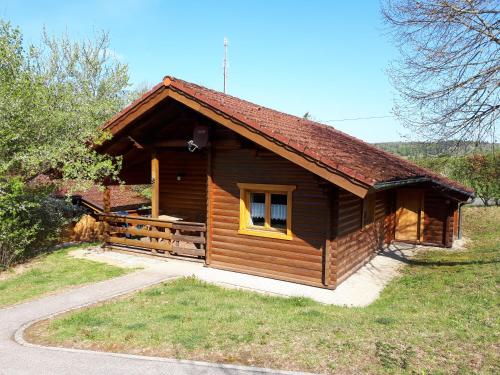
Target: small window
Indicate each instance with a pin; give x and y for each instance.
(257, 210)
(279, 208)
(265, 210)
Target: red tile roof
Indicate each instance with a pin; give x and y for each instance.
(322, 143)
(121, 198)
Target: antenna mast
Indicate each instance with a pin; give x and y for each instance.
(225, 63)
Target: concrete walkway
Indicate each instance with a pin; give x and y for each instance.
(359, 290)
(20, 357)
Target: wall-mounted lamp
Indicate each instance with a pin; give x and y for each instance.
(180, 176)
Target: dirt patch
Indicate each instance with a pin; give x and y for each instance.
(19, 269)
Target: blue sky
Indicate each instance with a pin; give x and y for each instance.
(323, 57)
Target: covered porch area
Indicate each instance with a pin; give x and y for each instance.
(168, 150)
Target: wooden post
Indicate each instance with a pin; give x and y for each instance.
(208, 245)
(106, 203)
(155, 185)
(155, 192)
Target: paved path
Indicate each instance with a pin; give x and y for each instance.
(359, 290)
(19, 357)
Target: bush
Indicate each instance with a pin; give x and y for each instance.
(482, 173)
(31, 220)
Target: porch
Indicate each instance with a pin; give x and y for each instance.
(176, 224)
(166, 229)
(157, 236)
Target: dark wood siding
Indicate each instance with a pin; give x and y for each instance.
(354, 246)
(455, 223)
(186, 198)
(390, 218)
(300, 259)
(435, 217)
(451, 228)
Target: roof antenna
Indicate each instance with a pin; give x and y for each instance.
(225, 63)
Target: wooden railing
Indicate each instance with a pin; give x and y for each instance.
(159, 236)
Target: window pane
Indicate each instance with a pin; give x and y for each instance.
(278, 211)
(257, 209)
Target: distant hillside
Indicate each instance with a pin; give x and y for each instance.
(416, 150)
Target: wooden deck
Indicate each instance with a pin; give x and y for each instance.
(157, 236)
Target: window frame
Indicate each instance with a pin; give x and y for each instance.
(267, 231)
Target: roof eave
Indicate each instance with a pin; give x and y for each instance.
(416, 180)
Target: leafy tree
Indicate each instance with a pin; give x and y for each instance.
(448, 72)
(52, 100)
(482, 173)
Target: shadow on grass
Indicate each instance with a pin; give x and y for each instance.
(397, 252)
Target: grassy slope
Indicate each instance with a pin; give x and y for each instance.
(50, 272)
(440, 316)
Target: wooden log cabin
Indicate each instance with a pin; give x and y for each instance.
(254, 190)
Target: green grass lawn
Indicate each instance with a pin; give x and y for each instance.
(50, 272)
(441, 316)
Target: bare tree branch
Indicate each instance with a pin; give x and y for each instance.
(448, 72)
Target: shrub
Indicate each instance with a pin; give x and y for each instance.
(31, 220)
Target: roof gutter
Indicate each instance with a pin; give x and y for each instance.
(409, 181)
(392, 184)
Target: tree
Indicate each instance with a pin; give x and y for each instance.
(481, 172)
(448, 72)
(52, 100)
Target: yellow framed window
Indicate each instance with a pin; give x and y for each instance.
(266, 210)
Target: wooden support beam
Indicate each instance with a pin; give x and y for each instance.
(210, 200)
(155, 184)
(165, 246)
(135, 143)
(142, 232)
(170, 143)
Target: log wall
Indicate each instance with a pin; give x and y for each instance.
(329, 242)
(355, 245)
(186, 198)
(438, 219)
(300, 260)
